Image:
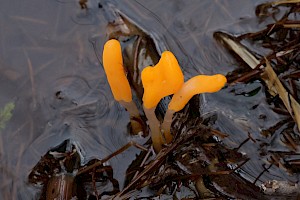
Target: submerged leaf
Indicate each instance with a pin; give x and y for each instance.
(6, 114)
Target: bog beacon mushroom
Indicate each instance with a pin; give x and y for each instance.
(196, 85)
(115, 73)
(164, 79)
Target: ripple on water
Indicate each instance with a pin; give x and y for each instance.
(87, 16)
(68, 91)
(184, 25)
(81, 114)
(102, 104)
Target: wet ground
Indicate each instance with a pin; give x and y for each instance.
(50, 69)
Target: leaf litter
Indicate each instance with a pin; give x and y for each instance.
(279, 70)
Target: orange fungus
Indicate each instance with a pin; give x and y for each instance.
(196, 85)
(113, 66)
(164, 79)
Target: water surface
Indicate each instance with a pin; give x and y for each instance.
(50, 64)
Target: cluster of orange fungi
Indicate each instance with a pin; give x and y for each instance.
(164, 79)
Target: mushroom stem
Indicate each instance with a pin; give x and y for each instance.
(115, 73)
(135, 118)
(154, 125)
(166, 126)
(163, 79)
(196, 85)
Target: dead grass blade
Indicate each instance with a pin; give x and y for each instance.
(276, 87)
(269, 76)
(276, 3)
(291, 25)
(238, 48)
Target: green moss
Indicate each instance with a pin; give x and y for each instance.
(6, 114)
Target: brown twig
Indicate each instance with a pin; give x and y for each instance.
(96, 164)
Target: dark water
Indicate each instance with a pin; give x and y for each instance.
(49, 70)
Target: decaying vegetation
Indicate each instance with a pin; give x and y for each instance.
(279, 70)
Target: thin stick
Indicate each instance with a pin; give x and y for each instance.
(100, 162)
(143, 162)
(30, 69)
(160, 158)
(290, 140)
(136, 52)
(94, 185)
(261, 173)
(218, 133)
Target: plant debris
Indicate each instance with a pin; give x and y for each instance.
(6, 114)
(268, 75)
(279, 69)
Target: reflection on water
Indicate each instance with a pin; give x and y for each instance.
(50, 71)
